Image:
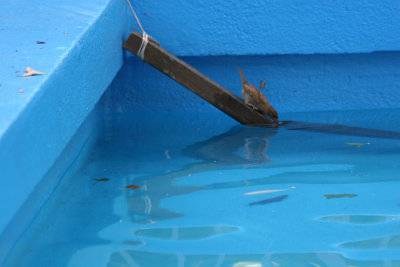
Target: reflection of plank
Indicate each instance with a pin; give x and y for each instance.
(197, 82)
(340, 129)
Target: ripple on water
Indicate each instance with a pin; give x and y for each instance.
(391, 241)
(186, 233)
(358, 219)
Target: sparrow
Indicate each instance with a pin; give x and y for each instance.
(254, 98)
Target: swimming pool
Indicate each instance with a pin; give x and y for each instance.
(190, 189)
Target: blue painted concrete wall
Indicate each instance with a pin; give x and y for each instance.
(83, 53)
(191, 28)
(293, 82)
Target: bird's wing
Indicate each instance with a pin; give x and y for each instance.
(256, 94)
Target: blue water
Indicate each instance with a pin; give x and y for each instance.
(213, 193)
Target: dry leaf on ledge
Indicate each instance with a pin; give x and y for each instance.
(32, 72)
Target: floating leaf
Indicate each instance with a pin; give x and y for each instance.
(101, 179)
(268, 191)
(330, 196)
(131, 186)
(32, 72)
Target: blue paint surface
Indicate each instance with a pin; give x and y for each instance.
(293, 82)
(37, 124)
(83, 52)
(272, 27)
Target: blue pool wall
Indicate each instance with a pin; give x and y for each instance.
(314, 55)
(293, 82)
(37, 125)
(259, 27)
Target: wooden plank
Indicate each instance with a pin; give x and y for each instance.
(197, 82)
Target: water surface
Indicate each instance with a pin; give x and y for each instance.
(200, 190)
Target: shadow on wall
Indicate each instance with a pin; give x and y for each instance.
(293, 82)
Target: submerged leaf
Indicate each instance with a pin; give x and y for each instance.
(330, 196)
(269, 200)
(32, 72)
(101, 179)
(131, 186)
(355, 144)
(268, 191)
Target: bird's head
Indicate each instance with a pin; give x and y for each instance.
(274, 115)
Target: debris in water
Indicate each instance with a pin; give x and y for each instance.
(247, 264)
(166, 153)
(21, 91)
(357, 144)
(268, 191)
(101, 179)
(131, 186)
(269, 200)
(40, 42)
(32, 72)
(330, 196)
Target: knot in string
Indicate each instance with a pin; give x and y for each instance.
(143, 45)
(145, 38)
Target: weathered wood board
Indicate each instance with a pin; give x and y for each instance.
(197, 82)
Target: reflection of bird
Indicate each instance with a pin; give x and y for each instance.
(255, 150)
(254, 98)
(225, 149)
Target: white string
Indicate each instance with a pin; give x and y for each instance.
(136, 17)
(143, 45)
(145, 38)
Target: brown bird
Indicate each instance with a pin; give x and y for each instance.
(254, 98)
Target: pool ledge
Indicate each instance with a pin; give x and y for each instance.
(40, 114)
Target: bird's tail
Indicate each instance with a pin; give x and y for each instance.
(241, 74)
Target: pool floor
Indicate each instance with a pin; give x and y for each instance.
(201, 190)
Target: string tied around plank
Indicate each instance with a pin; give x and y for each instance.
(143, 45)
(145, 38)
